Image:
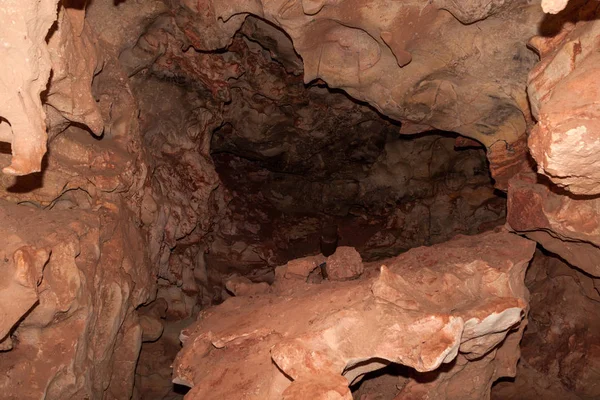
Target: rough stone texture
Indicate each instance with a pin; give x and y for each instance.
(563, 93)
(430, 64)
(312, 341)
(154, 372)
(25, 72)
(72, 50)
(344, 264)
(564, 225)
(238, 93)
(299, 268)
(560, 352)
(416, 192)
(82, 338)
(240, 286)
(139, 213)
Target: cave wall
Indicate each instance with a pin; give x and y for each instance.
(411, 192)
(110, 197)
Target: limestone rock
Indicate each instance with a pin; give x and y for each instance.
(82, 336)
(241, 286)
(425, 306)
(563, 319)
(349, 46)
(75, 62)
(563, 92)
(25, 73)
(344, 264)
(21, 275)
(561, 223)
(301, 267)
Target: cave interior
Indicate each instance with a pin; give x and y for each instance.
(300, 199)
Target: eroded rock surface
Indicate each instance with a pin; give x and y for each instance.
(564, 92)
(562, 224)
(416, 192)
(429, 64)
(313, 340)
(110, 223)
(560, 350)
(82, 338)
(25, 73)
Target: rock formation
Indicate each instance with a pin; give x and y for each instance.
(314, 340)
(169, 168)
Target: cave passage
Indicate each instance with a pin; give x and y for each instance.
(299, 200)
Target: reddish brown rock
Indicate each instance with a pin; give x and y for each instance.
(560, 354)
(560, 222)
(105, 219)
(82, 336)
(507, 160)
(344, 264)
(349, 46)
(318, 339)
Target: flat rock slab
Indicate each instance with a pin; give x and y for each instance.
(312, 341)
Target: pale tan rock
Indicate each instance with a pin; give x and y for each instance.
(240, 286)
(72, 49)
(25, 73)
(554, 6)
(302, 267)
(563, 92)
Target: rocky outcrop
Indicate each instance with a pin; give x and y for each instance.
(75, 285)
(314, 340)
(562, 224)
(563, 321)
(117, 229)
(76, 266)
(563, 93)
(25, 73)
(73, 53)
(417, 192)
(430, 65)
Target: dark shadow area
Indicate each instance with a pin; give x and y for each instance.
(506, 379)
(550, 254)
(427, 377)
(31, 182)
(392, 369)
(576, 10)
(180, 389)
(559, 191)
(5, 148)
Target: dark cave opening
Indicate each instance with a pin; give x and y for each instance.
(290, 161)
(396, 199)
